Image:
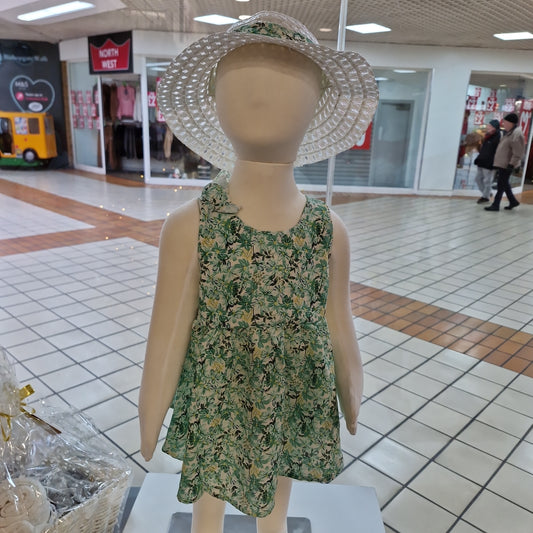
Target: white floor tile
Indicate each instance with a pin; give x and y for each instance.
(500, 375)
(420, 347)
(488, 439)
(374, 346)
(357, 444)
(464, 527)
(385, 370)
(372, 385)
(122, 339)
(112, 412)
(126, 436)
(88, 394)
(517, 401)
(442, 419)
(31, 349)
(478, 386)
(422, 385)
(395, 460)
(411, 513)
(522, 457)
(378, 417)
(68, 339)
(124, 380)
(67, 378)
(445, 488)
(461, 401)
(523, 384)
(400, 400)
(506, 420)
(106, 364)
(515, 485)
(493, 514)
(361, 474)
(420, 438)
(404, 358)
(439, 371)
(47, 363)
(468, 462)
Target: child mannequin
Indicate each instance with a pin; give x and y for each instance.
(266, 96)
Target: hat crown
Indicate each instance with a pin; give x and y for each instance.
(274, 25)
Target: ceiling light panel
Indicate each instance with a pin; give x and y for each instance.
(368, 28)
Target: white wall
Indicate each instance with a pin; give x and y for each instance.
(451, 68)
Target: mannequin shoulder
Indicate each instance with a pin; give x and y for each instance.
(340, 240)
(182, 223)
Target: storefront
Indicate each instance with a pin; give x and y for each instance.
(492, 96)
(139, 145)
(411, 146)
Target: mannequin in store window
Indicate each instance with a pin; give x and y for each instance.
(252, 334)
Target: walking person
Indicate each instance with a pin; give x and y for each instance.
(485, 161)
(508, 156)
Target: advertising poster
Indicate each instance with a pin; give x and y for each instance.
(30, 74)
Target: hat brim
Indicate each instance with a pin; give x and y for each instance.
(343, 113)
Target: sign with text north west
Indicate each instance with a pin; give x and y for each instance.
(112, 52)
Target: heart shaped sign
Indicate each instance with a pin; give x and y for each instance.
(32, 96)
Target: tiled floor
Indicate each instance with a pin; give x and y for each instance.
(442, 293)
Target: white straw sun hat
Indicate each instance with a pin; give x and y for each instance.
(342, 116)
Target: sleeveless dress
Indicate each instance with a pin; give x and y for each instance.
(256, 397)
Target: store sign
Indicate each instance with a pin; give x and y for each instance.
(492, 103)
(525, 117)
(471, 102)
(479, 118)
(364, 142)
(111, 53)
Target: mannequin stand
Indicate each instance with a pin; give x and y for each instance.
(233, 523)
(339, 508)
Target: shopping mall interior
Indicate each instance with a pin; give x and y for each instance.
(440, 289)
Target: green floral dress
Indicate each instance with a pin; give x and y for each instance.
(256, 397)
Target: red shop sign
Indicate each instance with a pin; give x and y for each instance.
(111, 53)
(364, 142)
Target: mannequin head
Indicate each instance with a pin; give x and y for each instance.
(266, 97)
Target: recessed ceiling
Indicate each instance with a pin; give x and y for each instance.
(420, 22)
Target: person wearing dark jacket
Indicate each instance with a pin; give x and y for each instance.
(485, 160)
(508, 156)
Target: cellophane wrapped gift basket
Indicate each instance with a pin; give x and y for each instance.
(59, 474)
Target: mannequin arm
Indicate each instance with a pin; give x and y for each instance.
(175, 307)
(348, 366)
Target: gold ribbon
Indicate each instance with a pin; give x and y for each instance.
(5, 418)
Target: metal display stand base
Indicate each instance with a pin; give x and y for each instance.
(328, 508)
(234, 523)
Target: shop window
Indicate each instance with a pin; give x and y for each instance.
(169, 157)
(86, 124)
(33, 125)
(387, 155)
(491, 96)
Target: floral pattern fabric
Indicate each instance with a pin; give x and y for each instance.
(256, 397)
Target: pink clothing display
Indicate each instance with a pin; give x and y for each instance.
(126, 101)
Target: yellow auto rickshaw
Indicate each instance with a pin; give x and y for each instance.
(27, 136)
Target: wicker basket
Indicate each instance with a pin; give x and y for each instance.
(99, 514)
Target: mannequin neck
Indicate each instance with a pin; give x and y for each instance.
(267, 195)
(263, 181)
